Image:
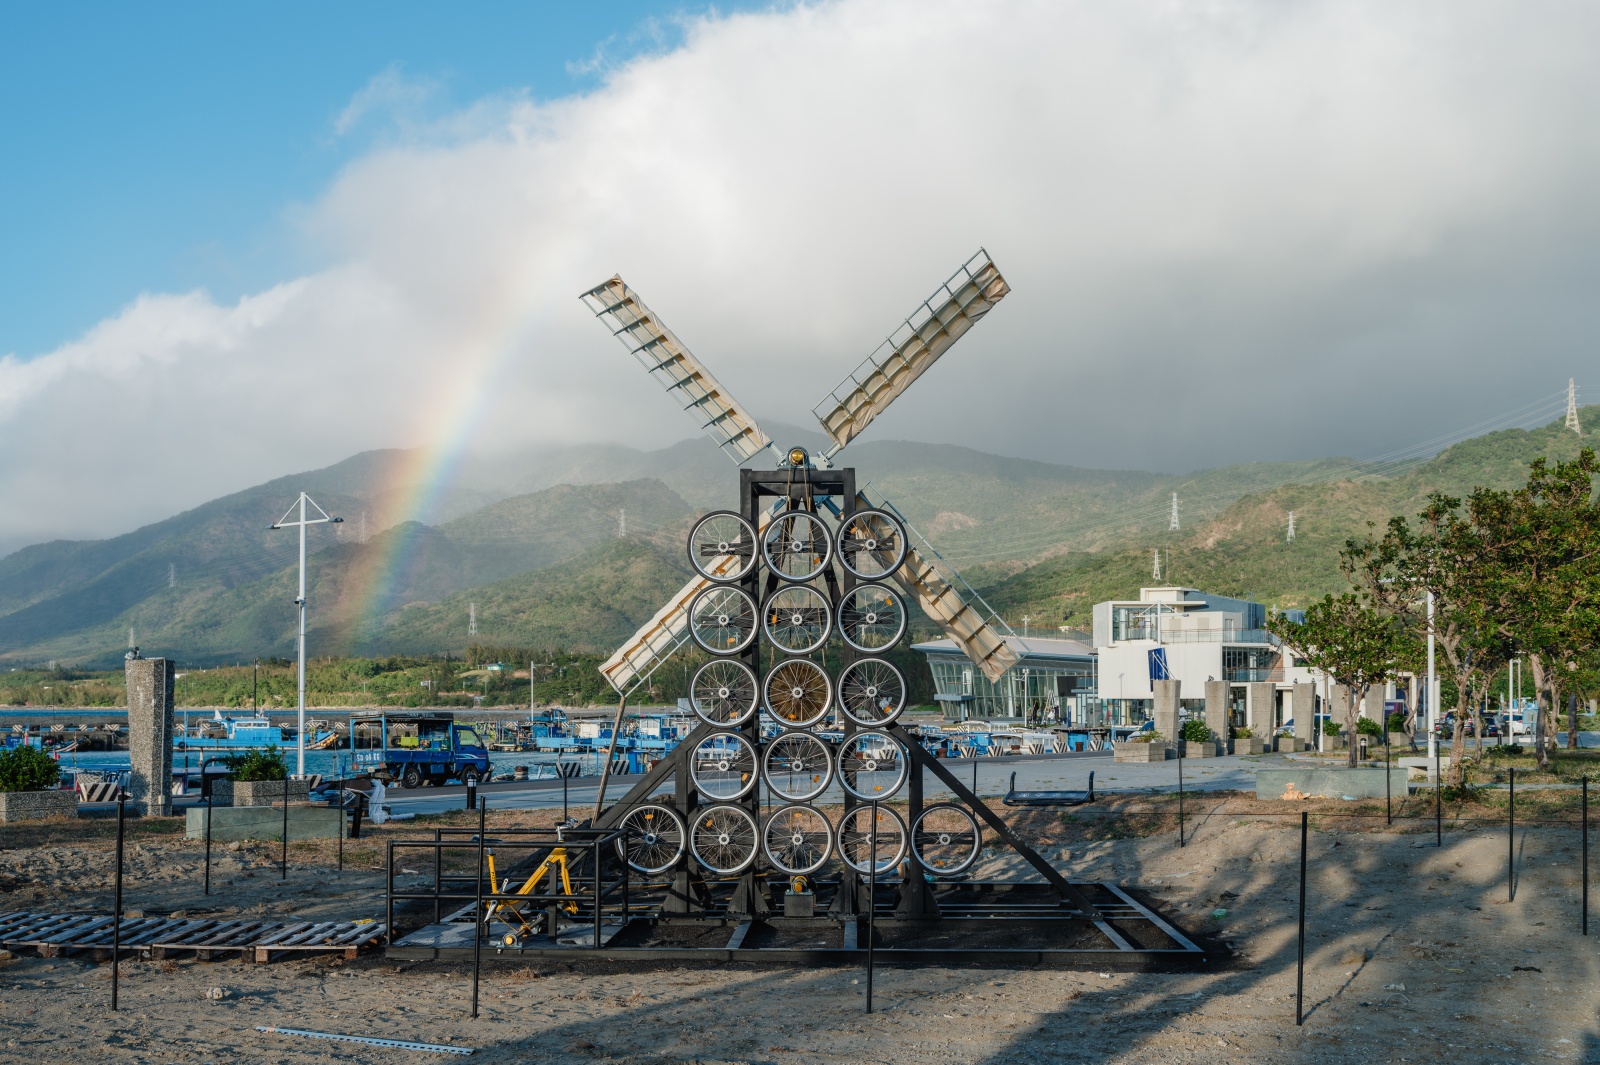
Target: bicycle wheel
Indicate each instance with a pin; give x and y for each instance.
(798, 693)
(946, 839)
(872, 765)
(797, 545)
(723, 766)
(724, 692)
(872, 544)
(654, 841)
(860, 830)
(872, 617)
(797, 766)
(722, 546)
(722, 619)
(797, 619)
(797, 840)
(724, 839)
(871, 692)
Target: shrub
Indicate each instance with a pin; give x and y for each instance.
(27, 769)
(1396, 723)
(1331, 728)
(1507, 750)
(1196, 731)
(1368, 727)
(1144, 737)
(1243, 733)
(259, 765)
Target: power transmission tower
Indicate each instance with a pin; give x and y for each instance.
(472, 619)
(1172, 524)
(172, 575)
(622, 523)
(1155, 570)
(1572, 406)
(1291, 526)
(300, 601)
(363, 526)
(130, 635)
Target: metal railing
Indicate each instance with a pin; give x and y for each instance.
(589, 853)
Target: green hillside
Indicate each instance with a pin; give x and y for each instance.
(1244, 550)
(213, 585)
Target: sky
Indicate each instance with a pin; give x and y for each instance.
(241, 241)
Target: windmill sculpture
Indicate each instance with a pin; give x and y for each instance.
(765, 582)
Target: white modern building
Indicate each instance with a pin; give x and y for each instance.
(1192, 637)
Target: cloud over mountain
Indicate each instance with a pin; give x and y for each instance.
(1236, 230)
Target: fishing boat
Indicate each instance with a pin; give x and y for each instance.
(244, 734)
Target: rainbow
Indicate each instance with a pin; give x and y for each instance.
(427, 474)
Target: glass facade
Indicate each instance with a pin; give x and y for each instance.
(1046, 686)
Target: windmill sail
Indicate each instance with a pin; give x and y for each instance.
(941, 320)
(660, 638)
(950, 601)
(700, 395)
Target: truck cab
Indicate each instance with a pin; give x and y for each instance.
(413, 749)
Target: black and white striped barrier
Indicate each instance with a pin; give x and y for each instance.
(98, 790)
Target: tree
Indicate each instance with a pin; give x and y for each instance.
(1538, 578)
(1350, 641)
(1442, 558)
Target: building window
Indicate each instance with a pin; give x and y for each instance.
(1244, 665)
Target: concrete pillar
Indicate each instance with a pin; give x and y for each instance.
(1261, 701)
(1303, 708)
(1217, 708)
(1166, 716)
(150, 731)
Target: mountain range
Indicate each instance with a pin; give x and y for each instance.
(574, 546)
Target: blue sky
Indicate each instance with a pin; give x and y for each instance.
(158, 147)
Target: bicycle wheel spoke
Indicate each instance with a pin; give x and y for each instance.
(724, 692)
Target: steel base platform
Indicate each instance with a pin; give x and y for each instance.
(996, 923)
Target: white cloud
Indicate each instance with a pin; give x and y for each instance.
(1233, 231)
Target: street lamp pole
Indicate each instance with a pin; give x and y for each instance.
(300, 603)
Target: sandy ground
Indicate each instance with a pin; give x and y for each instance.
(1413, 954)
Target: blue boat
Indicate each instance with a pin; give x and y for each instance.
(243, 734)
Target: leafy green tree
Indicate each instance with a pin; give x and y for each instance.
(1346, 638)
(1538, 577)
(1442, 557)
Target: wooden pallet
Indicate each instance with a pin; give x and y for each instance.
(57, 934)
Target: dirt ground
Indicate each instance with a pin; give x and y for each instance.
(1413, 954)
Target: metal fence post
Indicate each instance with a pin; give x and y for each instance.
(478, 922)
(210, 797)
(116, 905)
(1511, 839)
(1180, 794)
(1388, 801)
(872, 893)
(1300, 963)
(283, 866)
(1439, 801)
(1585, 855)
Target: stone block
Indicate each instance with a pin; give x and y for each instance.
(37, 805)
(1250, 745)
(268, 792)
(1303, 708)
(1141, 752)
(265, 822)
(1217, 706)
(1195, 749)
(1317, 782)
(1167, 694)
(150, 733)
(1291, 743)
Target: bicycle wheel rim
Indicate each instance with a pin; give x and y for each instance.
(722, 619)
(656, 841)
(798, 693)
(797, 840)
(872, 766)
(724, 692)
(872, 692)
(722, 546)
(724, 839)
(797, 767)
(946, 839)
(723, 766)
(872, 617)
(855, 836)
(797, 619)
